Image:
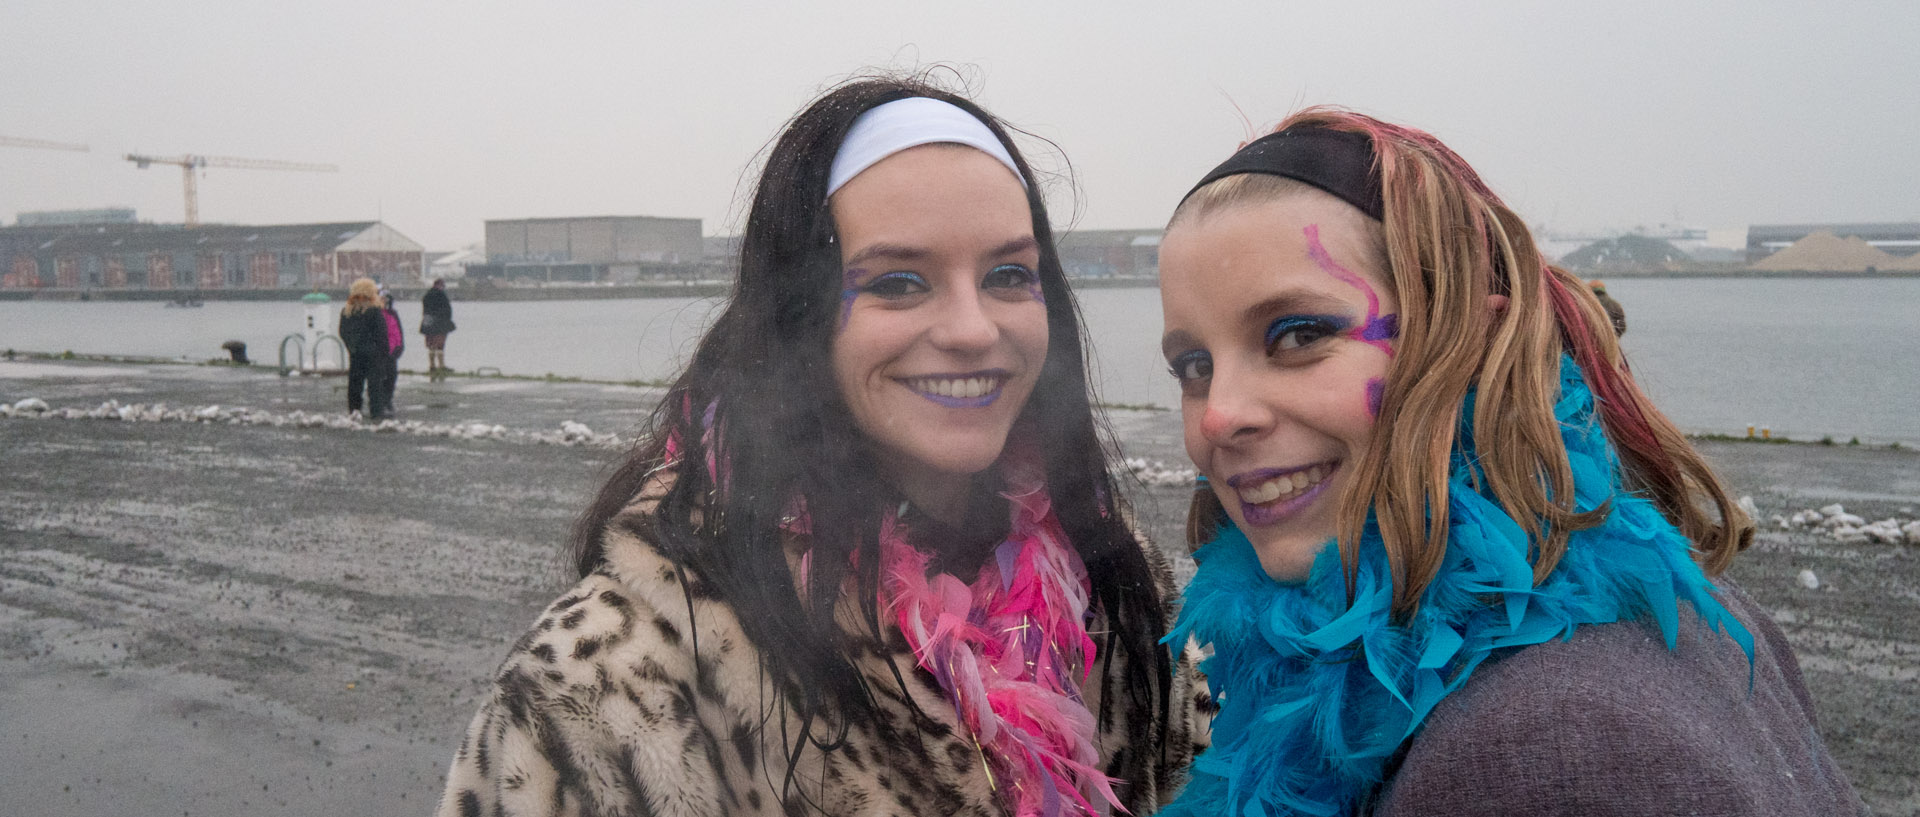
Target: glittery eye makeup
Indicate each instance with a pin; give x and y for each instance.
(895, 284)
(854, 283)
(1010, 276)
(1189, 367)
(1294, 331)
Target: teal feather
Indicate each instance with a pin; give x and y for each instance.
(1317, 695)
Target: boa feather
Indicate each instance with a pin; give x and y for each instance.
(1318, 695)
(1011, 652)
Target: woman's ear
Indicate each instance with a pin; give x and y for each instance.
(1496, 304)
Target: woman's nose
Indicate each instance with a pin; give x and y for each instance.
(964, 324)
(1233, 413)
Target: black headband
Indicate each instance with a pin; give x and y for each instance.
(1338, 162)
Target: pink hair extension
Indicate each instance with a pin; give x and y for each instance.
(1619, 411)
(709, 440)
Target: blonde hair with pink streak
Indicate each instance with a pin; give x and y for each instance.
(1448, 243)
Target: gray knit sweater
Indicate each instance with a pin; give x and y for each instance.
(1612, 723)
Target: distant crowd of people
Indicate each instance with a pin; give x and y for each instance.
(371, 331)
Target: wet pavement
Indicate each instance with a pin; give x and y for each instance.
(230, 618)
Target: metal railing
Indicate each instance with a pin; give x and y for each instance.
(307, 361)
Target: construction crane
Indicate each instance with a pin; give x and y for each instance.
(191, 162)
(20, 142)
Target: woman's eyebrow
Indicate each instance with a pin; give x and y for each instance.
(1297, 301)
(1175, 341)
(897, 252)
(1021, 244)
(1292, 302)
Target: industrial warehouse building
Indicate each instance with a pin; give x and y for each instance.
(597, 249)
(220, 256)
(1110, 253)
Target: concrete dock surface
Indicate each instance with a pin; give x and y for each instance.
(243, 616)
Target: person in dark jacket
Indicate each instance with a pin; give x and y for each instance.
(1616, 313)
(363, 331)
(389, 375)
(436, 320)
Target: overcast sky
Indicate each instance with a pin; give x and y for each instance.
(1585, 116)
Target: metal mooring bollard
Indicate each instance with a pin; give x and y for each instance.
(237, 349)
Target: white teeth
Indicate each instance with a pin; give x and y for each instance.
(1285, 485)
(965, 387)
(1264, 492)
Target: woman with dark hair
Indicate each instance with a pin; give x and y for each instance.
(436, 322)
(869, 560)
(1452, 560)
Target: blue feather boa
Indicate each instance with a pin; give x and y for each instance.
(1318, 696)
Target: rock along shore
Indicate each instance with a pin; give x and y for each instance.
(217, 595)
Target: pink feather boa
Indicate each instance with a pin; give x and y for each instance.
(1011, 651)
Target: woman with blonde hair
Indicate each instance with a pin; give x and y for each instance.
(1452, 560)
(363, 330)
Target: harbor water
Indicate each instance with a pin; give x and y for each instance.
(1806, 358)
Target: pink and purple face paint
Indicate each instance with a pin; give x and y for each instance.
(1377, 330)
(850, 281)
(1035, 290)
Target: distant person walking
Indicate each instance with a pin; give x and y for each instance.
(363, 330)
(396, 339)
(1615, 312)
(436, 321)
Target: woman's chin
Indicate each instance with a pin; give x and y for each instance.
(1288, 559)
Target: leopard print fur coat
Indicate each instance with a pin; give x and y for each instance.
(637, 693)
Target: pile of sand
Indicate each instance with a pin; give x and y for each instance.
(1824, 252)
(1911, 262)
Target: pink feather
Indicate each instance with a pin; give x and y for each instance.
(1011, 676)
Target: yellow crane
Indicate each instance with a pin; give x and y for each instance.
(191, 162)
(22, 142)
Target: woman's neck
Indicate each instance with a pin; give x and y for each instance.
(941, 496)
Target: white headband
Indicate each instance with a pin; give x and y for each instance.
(905, 123)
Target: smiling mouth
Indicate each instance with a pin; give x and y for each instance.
(1269, 495)
(970, 390)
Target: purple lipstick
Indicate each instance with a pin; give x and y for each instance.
(965, 390)
(1269, 495)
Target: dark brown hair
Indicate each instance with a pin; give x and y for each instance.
(759, 398)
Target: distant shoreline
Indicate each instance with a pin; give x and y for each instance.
(1841, 440)
(714, 289)
(1745, 273)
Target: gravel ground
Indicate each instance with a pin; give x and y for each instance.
(215, 618)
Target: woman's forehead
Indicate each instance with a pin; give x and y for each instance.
(1294, 234)
(932, 196)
